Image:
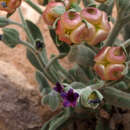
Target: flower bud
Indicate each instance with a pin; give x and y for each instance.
(68, 22)
(50, 15)
(109, 63)
(100, 36)
(101, 56)
(79, 34)
(70, 19)
(100, 21)
(116, 55)
(105, 23)
(114, 71)
(92, 15)
(9, 5)
(91, 98)
(100, 70)
(60, 31)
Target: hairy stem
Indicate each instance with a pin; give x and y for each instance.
(39, 58)
(26, 27)
(34, 6)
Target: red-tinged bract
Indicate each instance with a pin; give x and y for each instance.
(49, 15)
(110, 63)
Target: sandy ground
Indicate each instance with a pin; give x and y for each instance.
(17, 55)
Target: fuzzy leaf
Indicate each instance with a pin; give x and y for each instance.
(37, 35)
(81, 55)
(10, 37)
(116, 97)
(44, 85)
(35, 31)
(3, 21)
(31, 57)
(52, 100)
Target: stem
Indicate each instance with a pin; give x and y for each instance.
(126, 43)
(62, 55)
(15, 23)
(34, 6)
(25, 26)
(39, 58)
(114, 33)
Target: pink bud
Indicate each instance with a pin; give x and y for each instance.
(70, 20)
(100, 36)
(101, 56)
(116, 55)
(105, 23)
(114, 71)
(100, 70)
(92, 15)
(60, 31)
(49, 15)
(79, 34)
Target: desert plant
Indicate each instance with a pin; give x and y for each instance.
(101, 61)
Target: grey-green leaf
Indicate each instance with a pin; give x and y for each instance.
(10, 37)
(3, 21)
(35, 31)
(31, 57)
(52, 99)
(44, 85)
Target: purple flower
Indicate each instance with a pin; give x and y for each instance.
(59, 88)
(70, 98)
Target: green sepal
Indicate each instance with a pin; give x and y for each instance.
(76, 7)
(61, 46)
(43, 83)
(3, 21)
(59, 10)
(10, 37)
(52, 100)
(89, 94)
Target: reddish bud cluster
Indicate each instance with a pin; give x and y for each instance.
(72, 29)
(110, 63)
(9, 5)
